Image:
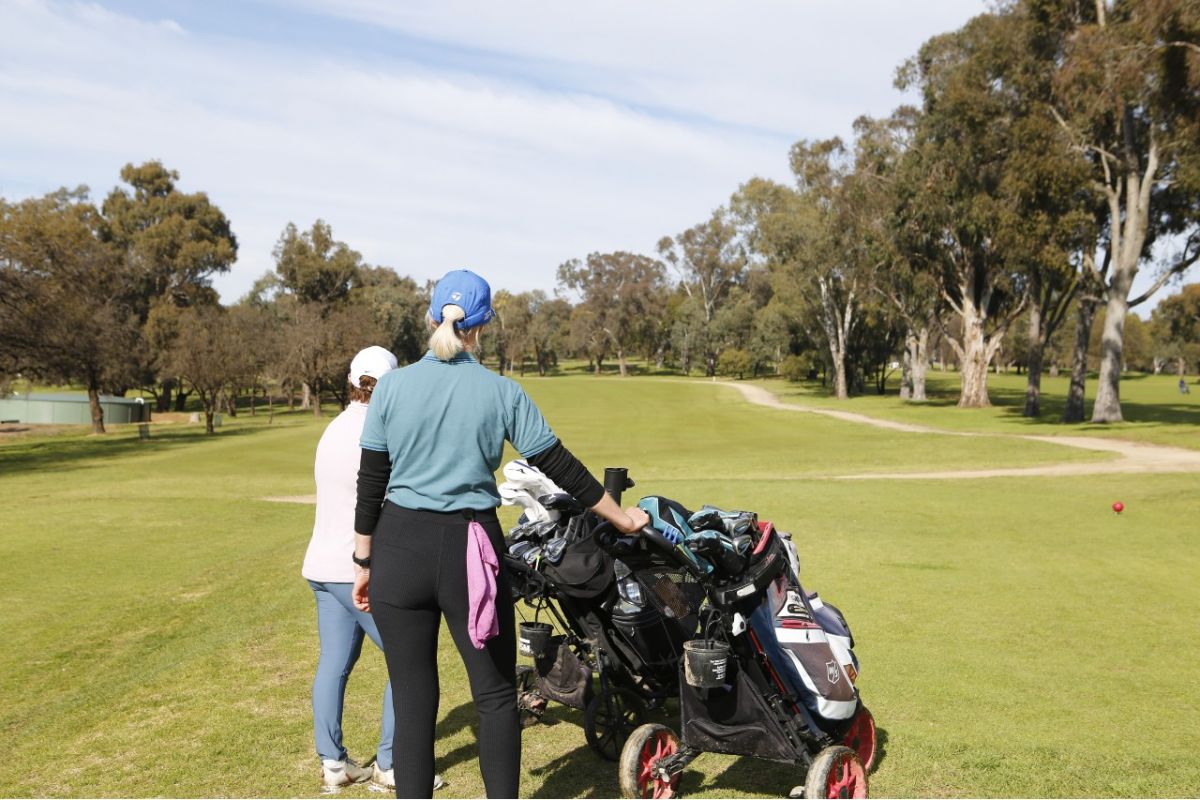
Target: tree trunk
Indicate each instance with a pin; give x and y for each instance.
(270, 406)
(621, 361)
(96, 409)
(181, 399)
(306, 398)
(1084, 315)
(208, 420)
(974, 358)
(164, 398)
(1108, 388)
(837, 361)
(1037, 346)
(314, 397)
(920, 364)
(253, 393)
(231, 403)
(906, 360)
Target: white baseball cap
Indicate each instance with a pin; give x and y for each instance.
(374, 362)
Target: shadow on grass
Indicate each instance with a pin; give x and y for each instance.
(755, 776)
(578, 773)
(70, 452)
(1010, 402)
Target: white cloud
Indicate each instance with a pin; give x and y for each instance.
(598, 132)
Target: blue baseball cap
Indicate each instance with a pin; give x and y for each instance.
(468, 291)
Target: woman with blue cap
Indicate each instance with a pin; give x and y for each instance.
(428, 535)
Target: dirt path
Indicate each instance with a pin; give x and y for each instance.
(1131, 457)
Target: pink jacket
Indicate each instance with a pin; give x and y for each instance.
(483, 568)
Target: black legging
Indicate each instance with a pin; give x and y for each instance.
(418, 574)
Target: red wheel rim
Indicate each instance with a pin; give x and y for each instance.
(861, 737)
(846, 778)
(658, 746)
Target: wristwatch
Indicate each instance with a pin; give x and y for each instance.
(365, 563)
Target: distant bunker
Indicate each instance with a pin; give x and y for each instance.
(70, 409)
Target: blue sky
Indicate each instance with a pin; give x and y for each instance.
(503, 136)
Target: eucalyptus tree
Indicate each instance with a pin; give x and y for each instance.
(814, 242)
(399, 307)
(710, 262)
(1176, 327)
(954, 204)
(1127, 94)
(67, 302)
(617, 293)
(316, 272)
(172, 243)
(548, 321)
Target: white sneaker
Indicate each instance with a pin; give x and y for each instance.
(336, 774)
(385, 779)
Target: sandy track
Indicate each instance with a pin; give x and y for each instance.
(1131, 457)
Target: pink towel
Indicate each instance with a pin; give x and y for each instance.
(483, 569)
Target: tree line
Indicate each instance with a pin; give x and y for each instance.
(1054, 155)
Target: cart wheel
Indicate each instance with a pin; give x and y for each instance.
(609, 719)
(530, 704)
(837, 771)
(861, 737)
(645, 746)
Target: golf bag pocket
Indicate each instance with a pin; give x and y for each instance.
(801, 653)
(562, 677)
(585, 571)
(734, 720)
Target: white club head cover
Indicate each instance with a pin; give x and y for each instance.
(524, 476)
(511, 495)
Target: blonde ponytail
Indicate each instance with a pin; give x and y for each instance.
(445, 341)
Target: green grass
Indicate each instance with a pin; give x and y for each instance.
(1017, 638)
(1152, 406)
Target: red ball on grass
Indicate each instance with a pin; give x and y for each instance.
(1118, 506)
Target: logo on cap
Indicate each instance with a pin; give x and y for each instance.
(456, 295)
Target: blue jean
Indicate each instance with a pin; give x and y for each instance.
(341, 627)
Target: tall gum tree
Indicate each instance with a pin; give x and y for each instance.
(66, 301)
(710, 263)
(953, 207)
(617, 292)
(1128, 96)
(172, 243)
(810, 239)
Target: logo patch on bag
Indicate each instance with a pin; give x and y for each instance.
(832, 672)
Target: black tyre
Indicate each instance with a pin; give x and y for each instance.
(643, 749)
(837, 771)
(609, 719)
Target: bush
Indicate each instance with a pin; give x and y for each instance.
(794, 368)
(734, 362)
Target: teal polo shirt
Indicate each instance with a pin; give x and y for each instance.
(443, 425)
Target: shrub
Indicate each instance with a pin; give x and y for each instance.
(734, 362)
(794, 368)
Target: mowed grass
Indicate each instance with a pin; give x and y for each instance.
(1017, 638)
(1154, 410)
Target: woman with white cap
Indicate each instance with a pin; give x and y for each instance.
(428, 536)
(329, 571)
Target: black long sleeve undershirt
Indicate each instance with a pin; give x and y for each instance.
(374, 469)
(560, 466)
(556, 462)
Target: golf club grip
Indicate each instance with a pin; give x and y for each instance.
(664, 544)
